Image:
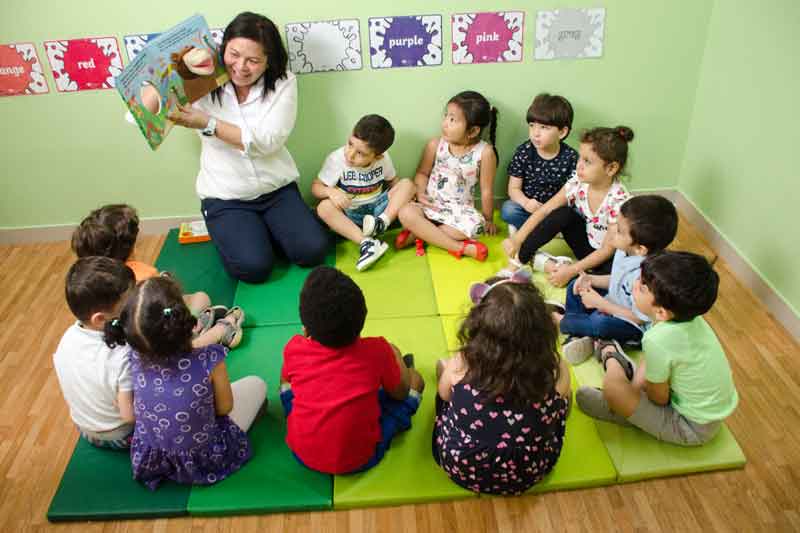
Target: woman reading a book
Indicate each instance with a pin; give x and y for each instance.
(248, 180)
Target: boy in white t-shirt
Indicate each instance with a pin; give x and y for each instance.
(360, 191)
(95, 378)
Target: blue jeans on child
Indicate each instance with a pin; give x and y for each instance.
(513, 213)
(395, 417)
(374, 208)
(582, 322)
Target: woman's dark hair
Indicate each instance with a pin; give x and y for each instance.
(610, 144)
(154, 321)
(110, 231)
(332, 307)
(683, 283)
(478, 112)
(262, 30)
(652, 219)
(551, 110)
(509, 344)
(96, 284)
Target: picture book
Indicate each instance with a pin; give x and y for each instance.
(195, 231)
(179, 66)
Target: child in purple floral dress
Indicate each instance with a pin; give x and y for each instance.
(190, 420)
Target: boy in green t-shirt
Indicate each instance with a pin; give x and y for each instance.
(683, 388)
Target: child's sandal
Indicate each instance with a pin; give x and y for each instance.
(232, 322)
(210, 316)
(420, 245)
(402, 239)
(482, 252)
(627, 364)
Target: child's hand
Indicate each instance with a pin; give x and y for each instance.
(340, 199)
(425, 200)
(189, 117)
(561, 275)
(591, 299)
(491, 228)
(583, 283)
(532, 205)
(510, 248)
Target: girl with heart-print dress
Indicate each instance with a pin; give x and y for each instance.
(503, 398)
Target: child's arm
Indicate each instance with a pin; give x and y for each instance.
(515, 193)
(512, 245)
(125, 405)
(452, 371)
(657, 392)
(401, 392)
(424, 171)
(223, 395)
(488, 170)
(592, 300)
(321, 191)
(563, 273)
(564, 383)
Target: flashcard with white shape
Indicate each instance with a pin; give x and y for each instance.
(411, 41)
(491, 37)
(84, 64)
(135, 43)
(20, 70)
(216, 35)
(322, 46)
(570, 33)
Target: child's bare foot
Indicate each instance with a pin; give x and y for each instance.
(415, 380)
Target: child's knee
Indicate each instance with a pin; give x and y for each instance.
(326, 208)
(408, 213)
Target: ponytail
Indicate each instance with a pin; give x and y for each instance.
(113, 333)
(493, 133)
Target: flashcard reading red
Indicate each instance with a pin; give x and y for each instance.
(84, 64)
(20, 70)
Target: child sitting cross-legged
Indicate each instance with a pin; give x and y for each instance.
(345, 396)
(602, 306)
(360, 191)
(683, 388)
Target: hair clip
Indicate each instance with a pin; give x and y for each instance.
(115, 323)
(167, 311)
(478, 291)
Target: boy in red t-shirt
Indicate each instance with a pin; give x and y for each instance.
(345, 396)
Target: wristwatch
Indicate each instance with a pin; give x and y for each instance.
(210, 128)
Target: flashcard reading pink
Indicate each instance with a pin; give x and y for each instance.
(487, 37)
(20, 70)
(84, 64)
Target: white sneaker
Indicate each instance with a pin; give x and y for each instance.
(371, 250)
(372, 226)
(541, 259)
(578, 349)
(511, 230)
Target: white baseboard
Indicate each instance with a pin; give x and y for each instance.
(63, 232)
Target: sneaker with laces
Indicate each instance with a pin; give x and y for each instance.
(372, 226)
(578, 349)
(371, 250)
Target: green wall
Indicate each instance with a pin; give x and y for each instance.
(738, 170)
(64, 154)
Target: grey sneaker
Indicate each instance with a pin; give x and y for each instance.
(578, 349)
(371, 250)
(372, 226)
(593, 403)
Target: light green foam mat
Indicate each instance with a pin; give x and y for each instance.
(584, 461)
(637, 455)
(398, 285)
(273, 480)
(407, 473)
(198, 267)
(452, 277)
(275, 301)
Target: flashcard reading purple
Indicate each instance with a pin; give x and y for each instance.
(570, 33)
(487, 37)
(20, 70)
(84, 64)
(135, 43)
(412, 41)
(324, 46)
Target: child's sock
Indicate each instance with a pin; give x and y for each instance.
(385, 219)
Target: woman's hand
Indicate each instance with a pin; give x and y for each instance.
(189, 117)
(561, 275)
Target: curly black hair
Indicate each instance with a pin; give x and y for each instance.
(110, 231)
(509, 344)
(683, 283)
(332, 307)
(154, 321)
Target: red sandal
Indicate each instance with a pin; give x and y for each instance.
(420, 244)
(481, 249)
(402, 239)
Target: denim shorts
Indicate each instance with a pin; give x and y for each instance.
(374, 208)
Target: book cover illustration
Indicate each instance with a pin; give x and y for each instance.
(179, 66)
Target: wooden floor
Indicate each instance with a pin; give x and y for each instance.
(37, 437)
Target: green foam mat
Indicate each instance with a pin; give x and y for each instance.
(398, 285)
(198, 267)
(637, 455)
(273, 480)
(584, 461)
(452, 278)
(407, 473)
(97, 485)
(276, 301)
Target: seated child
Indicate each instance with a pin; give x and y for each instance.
(345, 396)
(190, 419)
(451, 168)
(601, 306)
(683, 389)
(111, 231)
(504, 397)
(95, 379)
(360, 191)
(542, 164)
